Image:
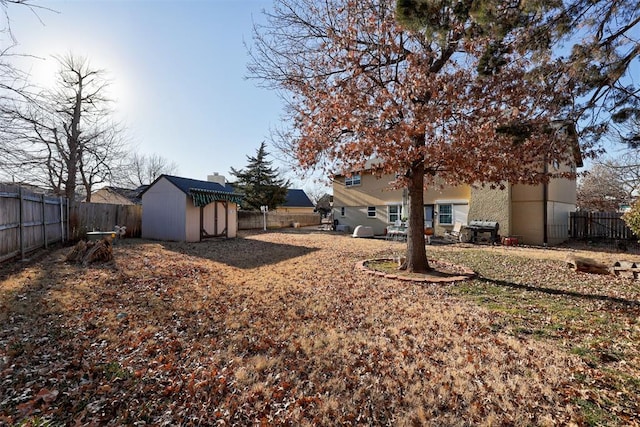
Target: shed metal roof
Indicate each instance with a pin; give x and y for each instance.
(202, 192)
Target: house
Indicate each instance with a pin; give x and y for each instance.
(535, 214)
(118, 195)
(189, 210)
(297, 202)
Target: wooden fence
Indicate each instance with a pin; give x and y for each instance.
(254, 220)
(86, 217)
(599, 225)
(30, 221)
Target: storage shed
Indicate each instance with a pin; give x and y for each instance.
(188, 210)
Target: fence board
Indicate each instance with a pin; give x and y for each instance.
(599, 225)
(29, 221)
(248, 220)
(86, 217)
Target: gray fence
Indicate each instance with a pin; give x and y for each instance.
(248, 220)
(86, 217)
(599, 225)
(30, 221)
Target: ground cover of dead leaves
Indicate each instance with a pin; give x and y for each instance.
(279, 328)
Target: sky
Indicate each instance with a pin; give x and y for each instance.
(177, 69)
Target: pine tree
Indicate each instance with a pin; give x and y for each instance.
(259, 182)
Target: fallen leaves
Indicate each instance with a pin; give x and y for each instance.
(198, 333)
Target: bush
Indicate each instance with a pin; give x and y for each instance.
(632, 218)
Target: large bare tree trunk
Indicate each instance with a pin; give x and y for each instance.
(416, 250)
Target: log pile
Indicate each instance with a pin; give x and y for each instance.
(629, 269)
(86, 253)
(586, 265)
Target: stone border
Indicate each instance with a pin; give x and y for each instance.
(468, 274)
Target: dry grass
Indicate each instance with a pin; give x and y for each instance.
(279, 328)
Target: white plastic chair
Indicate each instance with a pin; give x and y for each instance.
(455, 233)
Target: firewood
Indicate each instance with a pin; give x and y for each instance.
(77, 252)
(86, 253)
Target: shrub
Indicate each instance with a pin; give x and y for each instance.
(632, 218)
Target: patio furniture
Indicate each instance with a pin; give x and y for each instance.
(479, 227)
(396, 232)
(455, 234)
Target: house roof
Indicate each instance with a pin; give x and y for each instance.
(202, 192)
(297, 198)
(133, 195)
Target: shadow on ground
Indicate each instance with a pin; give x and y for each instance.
(244, 253)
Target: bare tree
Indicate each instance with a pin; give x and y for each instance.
(143, 169)
(14, 87)
(601, 189)
(66, 136)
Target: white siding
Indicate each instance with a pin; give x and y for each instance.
(164, 212)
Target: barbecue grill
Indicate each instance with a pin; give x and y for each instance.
(479, 227)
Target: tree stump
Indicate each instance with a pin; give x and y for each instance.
(86, 253)
(586, 265)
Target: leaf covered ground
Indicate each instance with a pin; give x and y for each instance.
(280, 328)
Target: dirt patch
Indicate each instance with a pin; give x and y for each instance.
(441, 272)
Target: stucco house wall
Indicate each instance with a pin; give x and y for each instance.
(519, 209)
(351, 204)
(492, 204)
(457, 196)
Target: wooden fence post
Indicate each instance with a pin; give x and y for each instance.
(21, 222)
(44, 221)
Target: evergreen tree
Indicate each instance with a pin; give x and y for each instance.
(259, 182)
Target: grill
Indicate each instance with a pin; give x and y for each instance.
(481, 227)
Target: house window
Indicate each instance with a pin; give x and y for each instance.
(371, 211)
(342, 211)
(395, 213)
(352, 180)
(445, 214)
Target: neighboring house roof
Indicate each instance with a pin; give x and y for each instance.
(202, 192)
(297, 199)
(133, 195)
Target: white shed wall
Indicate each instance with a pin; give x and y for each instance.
(164, 212)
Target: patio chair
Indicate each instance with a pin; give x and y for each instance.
(455, 234)
(396, 233)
